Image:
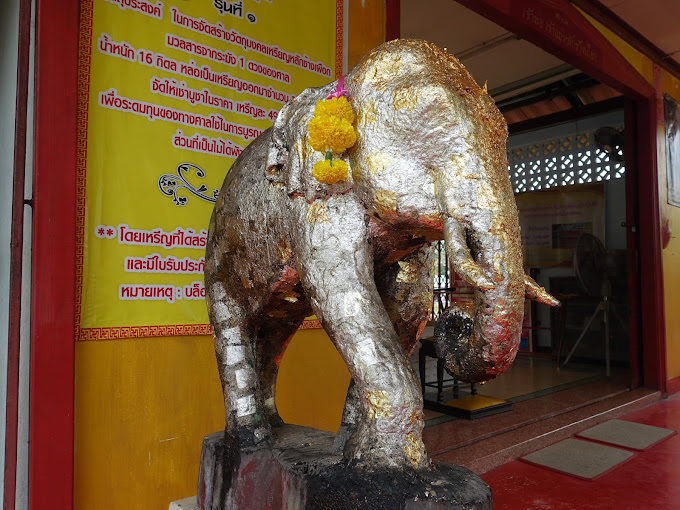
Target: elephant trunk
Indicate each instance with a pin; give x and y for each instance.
(479, 340)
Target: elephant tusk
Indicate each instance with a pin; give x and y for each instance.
(534, 291)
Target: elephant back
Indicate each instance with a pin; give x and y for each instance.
(415, 80)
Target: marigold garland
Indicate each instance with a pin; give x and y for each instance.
(330, 130)
(329, 173)
(335, 107)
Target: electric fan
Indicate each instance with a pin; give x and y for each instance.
(594, 268)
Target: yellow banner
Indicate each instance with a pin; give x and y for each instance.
(170, 94)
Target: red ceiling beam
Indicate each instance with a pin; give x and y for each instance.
(626, 32)
(557, 27)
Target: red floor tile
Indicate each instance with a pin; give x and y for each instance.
(651, 480)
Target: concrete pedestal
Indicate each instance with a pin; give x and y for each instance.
(184, 504)
(301, 472)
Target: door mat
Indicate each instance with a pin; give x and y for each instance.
(582, 459)
(628, 434)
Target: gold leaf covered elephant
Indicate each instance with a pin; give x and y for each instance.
(429, 163)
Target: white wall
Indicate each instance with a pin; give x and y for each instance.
(9, 36)
(21, 501)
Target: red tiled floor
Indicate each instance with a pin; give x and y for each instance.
(455, 434)
(486, 443)
(651, 480)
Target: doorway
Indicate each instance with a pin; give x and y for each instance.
(568, 145)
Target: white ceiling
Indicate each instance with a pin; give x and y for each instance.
(489, 52)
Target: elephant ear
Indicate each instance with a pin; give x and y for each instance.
(290, 158)
(277, 156)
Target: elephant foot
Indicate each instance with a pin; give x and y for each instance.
(402, 449)
(251, 438)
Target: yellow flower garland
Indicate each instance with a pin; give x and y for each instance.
(330, 130)
(335, 107)
(328, 173)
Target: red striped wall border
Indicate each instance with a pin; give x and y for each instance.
(120, 333)
(84, 62)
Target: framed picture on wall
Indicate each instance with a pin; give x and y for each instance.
(672, 117)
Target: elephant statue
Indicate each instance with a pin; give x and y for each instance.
(429, 163)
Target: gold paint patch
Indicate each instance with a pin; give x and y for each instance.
(317, 213)
(284, 250)
(407, 272)
(385, 201)
(211, 228)
(303, 149)
(368, 113)
(378, 404)
(486, 198)
(378, 162)
(413, 449)
(468, 267)
(499, 267)
(461, 168)
(386, 67)
(405, 97)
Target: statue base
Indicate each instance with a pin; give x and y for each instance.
(302, 472)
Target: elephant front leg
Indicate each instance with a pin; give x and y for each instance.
(405, 288)
(335, 262)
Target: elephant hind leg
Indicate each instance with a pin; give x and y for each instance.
(243, 399)
(406, 289)
(276, 326)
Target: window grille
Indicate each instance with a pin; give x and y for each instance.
(572, 159)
